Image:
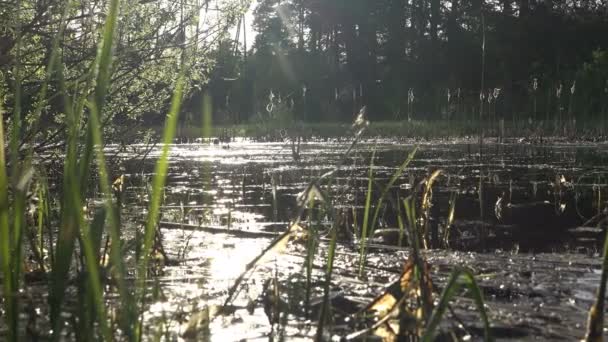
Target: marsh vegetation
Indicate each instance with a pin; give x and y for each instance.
(385, 200)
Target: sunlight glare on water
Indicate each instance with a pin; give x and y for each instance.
(253, 187)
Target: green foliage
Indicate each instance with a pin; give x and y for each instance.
(77, 99)
(149, 46)
(158, 186)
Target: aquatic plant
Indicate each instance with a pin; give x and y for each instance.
(385, 192)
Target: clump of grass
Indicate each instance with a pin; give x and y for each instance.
(158, 184)
(73, 226)
(385, 192)
(414, 285)
(5, 244)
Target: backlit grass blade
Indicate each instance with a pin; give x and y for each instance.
(158, 184)
(18, 214)
(400, 222)
(94, 142)
(113, 222)
(72, 225)
(68, 228)
(11, 262)
(450, 220)
(460, 278)
(102, 71)
(93, 146)
(390, 184)
(5, 240)
(385, 192)
(75, 181)
(92, 268)
(421, 272)
(368, 203)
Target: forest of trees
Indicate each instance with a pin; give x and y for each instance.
(420, 59)
(315, 60)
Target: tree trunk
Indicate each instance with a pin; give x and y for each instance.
(369, 49)
(434, 22)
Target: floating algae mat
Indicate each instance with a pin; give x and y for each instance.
(532, 243)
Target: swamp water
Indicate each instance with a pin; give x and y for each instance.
(537, 264)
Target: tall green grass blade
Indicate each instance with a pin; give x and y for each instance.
(390, 184)
(385, 192)
(409, 204)
(158, 184)
(160, 173)
(410, 213)
(18, 214)
(5, 240)
(129, 318)
(43, 210)
(459, 278)
(90, 308)
(92, 268)
(76, 177)
(102, 72)
(368, 204)
(91, 244)
(68, 221)
(207, 116)
(72, 225)
(400, 222)
(11, 262)
(450, 220)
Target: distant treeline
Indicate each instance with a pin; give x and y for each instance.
(310, 61)
(323, 59)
